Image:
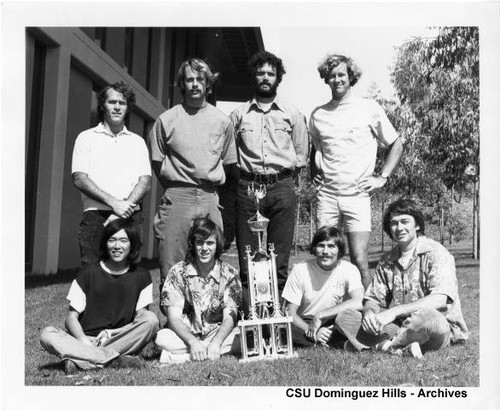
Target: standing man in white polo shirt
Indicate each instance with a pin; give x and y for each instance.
(190, 144)
(345, 133)
(110, 168)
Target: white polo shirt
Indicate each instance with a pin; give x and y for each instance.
(114, 164)
(345, 135)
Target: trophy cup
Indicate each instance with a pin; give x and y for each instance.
(266, 333)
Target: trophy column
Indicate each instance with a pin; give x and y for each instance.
(266, 333)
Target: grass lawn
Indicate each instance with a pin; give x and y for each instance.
(456, 366)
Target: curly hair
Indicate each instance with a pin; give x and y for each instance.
(333, 60)
(120, 87)
(263, 57)
(198, 66)
(326, 233)
(203, 228)
(133, 236)
(404, 206)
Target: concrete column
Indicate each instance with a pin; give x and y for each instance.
(51, 160)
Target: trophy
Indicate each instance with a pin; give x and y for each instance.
(266, 333)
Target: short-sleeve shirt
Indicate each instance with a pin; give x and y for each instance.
(113, 163)
(345, 135)
(430, 271)
(270, 141)
(107, 301)
(202, 300)
(192, 144)
(313, 289)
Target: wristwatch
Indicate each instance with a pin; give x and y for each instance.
(382, 176)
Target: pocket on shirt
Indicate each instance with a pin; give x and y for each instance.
(216, 143)
(245, 132)
(283, 129)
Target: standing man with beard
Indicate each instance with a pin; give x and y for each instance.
(345, 133)
(189, 144)
(273, 145)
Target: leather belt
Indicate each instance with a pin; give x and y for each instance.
(266, 178)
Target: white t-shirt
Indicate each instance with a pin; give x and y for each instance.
(345, 135)
(314, 289)
(114, 164)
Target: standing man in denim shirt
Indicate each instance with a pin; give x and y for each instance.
(273, 145)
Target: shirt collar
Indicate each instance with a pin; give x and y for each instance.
(276, 102)
(215, 272)
(423, 246)
(104, 129)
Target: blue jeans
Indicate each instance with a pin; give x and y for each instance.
(90, 233)
(178, 208)
(279, 206)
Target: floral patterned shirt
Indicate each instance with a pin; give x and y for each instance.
(202, 300)
(431, 270)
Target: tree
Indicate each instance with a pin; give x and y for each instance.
(437, 82)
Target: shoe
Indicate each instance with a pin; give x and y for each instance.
(382, 346)
(413, 350)
(150, 352)
(126, 362)
(70, 367)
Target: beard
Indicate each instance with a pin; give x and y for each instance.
(270, 92)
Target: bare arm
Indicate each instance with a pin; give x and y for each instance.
(298, 322)
(140, 189)
(226, 327)
(374, 182)
(174, 320)
(122, 208)
(354, 302)
(75, 328)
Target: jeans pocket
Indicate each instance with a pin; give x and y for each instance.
(160, 217)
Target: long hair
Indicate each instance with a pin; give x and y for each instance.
(120, 87)
(326, 233)
(202, 229)
(404, 206)
(198, 66)
(133, 236)
(331, 61)
(263, 57)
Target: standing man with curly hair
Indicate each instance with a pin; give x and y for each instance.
(190, 144)
(273, 145)
(345, 132)
(111, 169)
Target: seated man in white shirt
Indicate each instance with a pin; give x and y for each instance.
(317, 290)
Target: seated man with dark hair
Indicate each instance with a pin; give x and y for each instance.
(412, 303)
(108, 315)
(319, 289)
(200, 298)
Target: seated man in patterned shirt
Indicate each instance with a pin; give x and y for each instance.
(412, 303)
(200, 298)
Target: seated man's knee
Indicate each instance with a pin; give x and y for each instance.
(46, 334)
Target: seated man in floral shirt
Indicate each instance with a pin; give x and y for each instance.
(200, 298)
(412, 303)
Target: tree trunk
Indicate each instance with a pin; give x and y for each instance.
(441, 226)
(450, 219)
(311, 221)
(382, 227)
(297, 226)
(475, 221)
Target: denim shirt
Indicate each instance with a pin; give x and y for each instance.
(268, 142)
